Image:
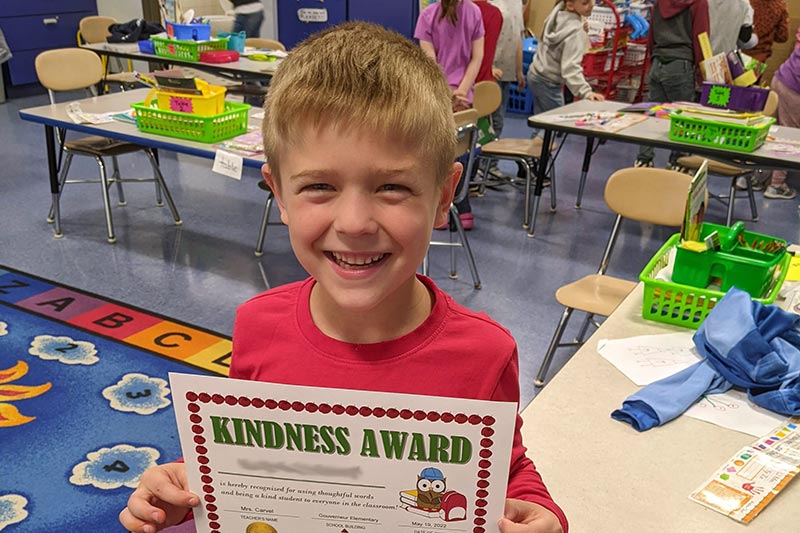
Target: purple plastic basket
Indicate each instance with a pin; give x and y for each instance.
(734, 97)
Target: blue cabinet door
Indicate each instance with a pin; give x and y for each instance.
(398, 15)
(297, 19)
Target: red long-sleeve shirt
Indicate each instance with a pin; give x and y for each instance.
(454, 353)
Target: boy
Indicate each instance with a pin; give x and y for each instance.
(559, 58)
(676, 55)
(359, 136)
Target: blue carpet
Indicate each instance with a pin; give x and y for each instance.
(85, 404)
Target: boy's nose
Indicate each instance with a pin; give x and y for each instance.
(355, 215)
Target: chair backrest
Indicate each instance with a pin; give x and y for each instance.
(771, 107)
(265, 44)
(653, 195)
(467, 132)
(94, 29)
(68, 69)
(486, 98)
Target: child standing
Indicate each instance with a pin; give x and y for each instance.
(786, 82)
(451, 33)
(676, 55)
(359, 135)
(249, 16)
(508, 56)
(771, 24)
(559, 58)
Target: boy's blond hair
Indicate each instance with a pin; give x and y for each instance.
(360, 76)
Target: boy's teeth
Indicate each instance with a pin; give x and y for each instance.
(356, 260)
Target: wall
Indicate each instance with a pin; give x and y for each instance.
(122, 11)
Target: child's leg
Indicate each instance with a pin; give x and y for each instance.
(677, 80)
(499, 115)
(788, 115)
(546, 95)
(655, 93)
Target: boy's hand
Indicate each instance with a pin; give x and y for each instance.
(597, 97)
(520, 81)
(527, 517)
(497, 73)
(161, 500)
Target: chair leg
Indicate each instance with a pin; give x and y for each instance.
(476, 280)
(731, 197)
(551, 350)
(455, 220)
(106, 200)
(160, 180)
(584, 327)
(752, 198)
(262, 232)
(116, 178)
(587, 157)
(552, 174)
(526, 217)
(426, 263)
(51, 216)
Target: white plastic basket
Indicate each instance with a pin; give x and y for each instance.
(604, 16)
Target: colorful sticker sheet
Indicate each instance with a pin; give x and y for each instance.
(752, 478)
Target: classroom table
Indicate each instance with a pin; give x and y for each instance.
(651, 132)
(608, 477)
(242, 70)
(55, 116)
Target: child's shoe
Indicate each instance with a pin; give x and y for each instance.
(781, 192)
(467, 220)
(642, 164)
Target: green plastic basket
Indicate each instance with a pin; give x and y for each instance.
(718, 134)
(683, 305)
(745, 267)
(207, 129)
(186, 50)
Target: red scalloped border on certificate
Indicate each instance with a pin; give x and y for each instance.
(194, 408)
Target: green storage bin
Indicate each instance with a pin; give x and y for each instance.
(717, 134)
(208, 129)
(734, 265)
(186, 50)
(683, 305)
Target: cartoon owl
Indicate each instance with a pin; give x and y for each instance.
(431, 485)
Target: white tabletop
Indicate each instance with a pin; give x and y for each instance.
(608, 477)
(246, 67)
(655, 131)
(56, 115)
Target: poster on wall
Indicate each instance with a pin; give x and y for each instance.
(267, 458)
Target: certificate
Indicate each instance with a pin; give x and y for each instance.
(267, 458)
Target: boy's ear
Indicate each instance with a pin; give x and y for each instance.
(273, 185)
(447, 193)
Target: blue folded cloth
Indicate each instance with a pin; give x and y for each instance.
(745, 344)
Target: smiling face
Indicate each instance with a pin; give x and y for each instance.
(360, 211)
(581, 7)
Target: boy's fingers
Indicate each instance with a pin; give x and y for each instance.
(133, 524)
(142, 510)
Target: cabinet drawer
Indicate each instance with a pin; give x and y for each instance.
(16, 8)
(42, 31)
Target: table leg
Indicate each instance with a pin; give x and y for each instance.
(52, 168)
(541, 174)
(587, 159)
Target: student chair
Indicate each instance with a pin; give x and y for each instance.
(467, 131)
(654, 196)
(94, 29)
(525, 152)
(734, 171)
(264, 44)
(70, 69)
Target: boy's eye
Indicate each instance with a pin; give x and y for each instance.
(393, 187)
(317, 187)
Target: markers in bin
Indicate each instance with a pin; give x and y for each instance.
(150, 82)
(763, 245)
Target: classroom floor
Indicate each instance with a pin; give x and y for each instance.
(201, 271)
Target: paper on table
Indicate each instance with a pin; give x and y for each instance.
(734, 410)
(648, 358)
